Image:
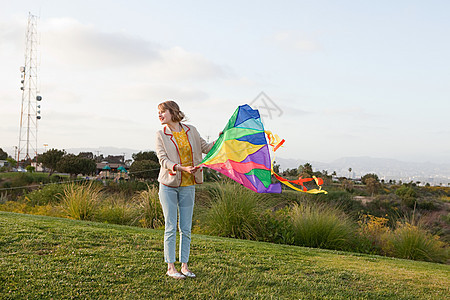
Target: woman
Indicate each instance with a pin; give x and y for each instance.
(179, 148)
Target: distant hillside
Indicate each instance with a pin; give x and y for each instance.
(385, 168)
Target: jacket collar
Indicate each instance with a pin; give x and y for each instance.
(167, 130)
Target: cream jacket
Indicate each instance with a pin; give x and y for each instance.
(169, 156)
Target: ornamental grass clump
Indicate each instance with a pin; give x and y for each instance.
(149, 211)
(234, 211)
(115, 209)
(412, 242)
(80, 201)
(321, 226)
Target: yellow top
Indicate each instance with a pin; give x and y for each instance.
(184, 147)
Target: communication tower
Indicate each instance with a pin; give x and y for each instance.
(30, 109)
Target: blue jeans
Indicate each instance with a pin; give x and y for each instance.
(173, 200)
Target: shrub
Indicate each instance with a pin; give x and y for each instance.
(372, 232)
(80, 201)
(47, 195)
(149, 211)
(342, 200)
(389, 205)
(412, 242)
(321, 226)
(277, 227)
(126, 187)
(115, 209)
(7, 184)
(14, 206)
(30, 169)
(234, 211)
(55, 178)
(23, 179)
(408, 195)
(23, 208)
(47, 210)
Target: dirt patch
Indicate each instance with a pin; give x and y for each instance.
(364, 199)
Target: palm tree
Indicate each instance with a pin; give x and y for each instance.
(350, 172)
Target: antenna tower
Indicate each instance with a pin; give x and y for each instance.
(30, 109)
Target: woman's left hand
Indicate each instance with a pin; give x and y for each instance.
(191, 169)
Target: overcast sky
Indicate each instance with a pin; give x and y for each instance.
(350, 78)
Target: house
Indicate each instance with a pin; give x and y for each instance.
(112, 166)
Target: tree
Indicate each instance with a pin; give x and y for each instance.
(276, 167)
(372, 185)
(145, 169)
(88, 155)
(305, 170)
(3, 154)
(350, 172)
(30, 169)
(128, 162)
(50, 159)
(369, 175)
(146, 155)
(347, 185)
(99, 158)
(116, 159)
(12, 162)
(75, 165)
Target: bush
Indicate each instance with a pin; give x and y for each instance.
(56, 178)
(149, 210)
(372, 232)
(277, 227)
(23, 208)
(412, 242)
(80, 201)
(389, 205)
(115, 209)
(408, 195)
(30, 169)
(234, 211)
(321, 226)
(126, 187)
(342, 200)
(47, 195)
(23, 179)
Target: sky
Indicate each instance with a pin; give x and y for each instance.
(344, 78)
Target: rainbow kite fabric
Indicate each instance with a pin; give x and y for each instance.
(242, 152)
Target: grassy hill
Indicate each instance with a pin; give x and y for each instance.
(52, 258)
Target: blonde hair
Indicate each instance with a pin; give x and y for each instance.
(174, 109)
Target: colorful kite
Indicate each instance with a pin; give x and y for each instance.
(242, 153)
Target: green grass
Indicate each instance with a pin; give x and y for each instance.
(43, 258)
